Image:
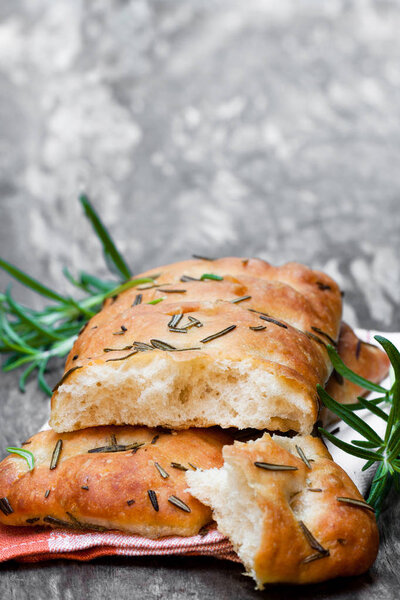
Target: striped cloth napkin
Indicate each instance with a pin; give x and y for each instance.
(35, 544)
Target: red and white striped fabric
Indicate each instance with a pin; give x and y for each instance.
(35, 544)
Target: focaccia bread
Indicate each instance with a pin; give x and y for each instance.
(232, 369)
(259, 369)
(369, 361)
(291, 513)
(125, 478)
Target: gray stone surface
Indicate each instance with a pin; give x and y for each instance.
(221, 127)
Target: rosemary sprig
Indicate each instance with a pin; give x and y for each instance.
(33, 337)
(383, 451)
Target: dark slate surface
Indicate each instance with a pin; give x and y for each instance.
(248, 128)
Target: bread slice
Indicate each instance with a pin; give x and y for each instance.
(226, 371)
(268, 327)
(291, 513)
(125, 478)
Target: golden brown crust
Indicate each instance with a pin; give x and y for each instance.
(348, 533)
(369, 361)
(286, 353)
(320, 290)
(283, 345)
(112, 479)
(275, 298)
(304, 305)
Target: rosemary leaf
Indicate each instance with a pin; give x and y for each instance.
(153, 499)
(26, 454)
(56, 454)
(30, 282)
(274, 321)
(326, 335)
(350, 375)
(64, 377)
(303, 457)
(274, 467)
(5, 506)
(179, 503)
(162, 471)
(355, 502)
(109, 248)
(160, 345)
(156, 301)
(218, 334)
(211, 276)
(315, 545)
(199, 257)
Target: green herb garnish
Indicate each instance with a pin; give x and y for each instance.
(56, 454)
(160, 345)
(211, 276)
(326, 335)
(172, 291)
(315, 545)
(179, 503)
(303, 457)
(162, 471)
(156, 301)
(240, 299)
(178, 466)
(138, 299)
(383, 451)
(153, 499)
(28, 456)
(274, 321)
(173, 322)
(200, 257)
(214, 336)
(355, 502)
(33, 337)
(274, 467)
(5, 506)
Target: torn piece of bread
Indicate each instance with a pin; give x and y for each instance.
(367, 360)
(289, 521)
(125, 478)
(218, 365)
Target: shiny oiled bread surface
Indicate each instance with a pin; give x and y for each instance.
(275, 298)
(322, 292)
(348, 534)
(110, 489)
(304, 306)
(279, 348)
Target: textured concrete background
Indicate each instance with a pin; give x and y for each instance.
(250, 128)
